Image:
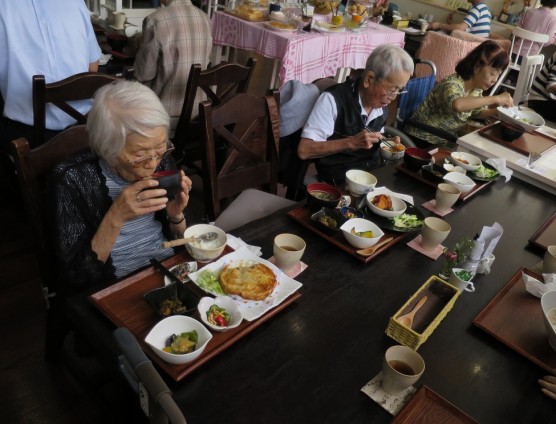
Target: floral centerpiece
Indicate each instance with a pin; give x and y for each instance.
(457, 256)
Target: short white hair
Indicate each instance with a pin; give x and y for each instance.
(387, 59)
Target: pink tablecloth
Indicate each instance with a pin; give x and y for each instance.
(303, 57)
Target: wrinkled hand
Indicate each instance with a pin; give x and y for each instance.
(434, 25)
(504, 100)
(548, 384)
(365, 140)
(175, 207)
(137, 200)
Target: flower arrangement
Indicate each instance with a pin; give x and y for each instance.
(457, 256)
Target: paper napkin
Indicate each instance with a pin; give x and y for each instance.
(500, 165)
(538, 288)
(236, 243)
(392, 403)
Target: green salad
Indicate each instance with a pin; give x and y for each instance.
(484, 172)
(208, 280)
(407, 221)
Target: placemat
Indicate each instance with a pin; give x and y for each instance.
(392, 403)
(527, 143)
(430, 205)
(433, 254)
(295, 271)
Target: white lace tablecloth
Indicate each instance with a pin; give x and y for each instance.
(303, 57)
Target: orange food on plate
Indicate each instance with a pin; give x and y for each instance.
(248, 279)
(382, 201)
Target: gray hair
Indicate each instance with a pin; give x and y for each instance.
(120, 109)
(387, 59)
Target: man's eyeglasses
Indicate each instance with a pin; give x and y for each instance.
(158, 156)
(393, 93)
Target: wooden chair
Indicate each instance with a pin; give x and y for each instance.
(249, 127)
(33, 167)
(530, 67)
(77, 87)
(218, 83)
(517, 52)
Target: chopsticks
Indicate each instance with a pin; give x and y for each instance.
(385, 140)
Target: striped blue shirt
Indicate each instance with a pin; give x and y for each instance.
(139, 239)
(478, 20)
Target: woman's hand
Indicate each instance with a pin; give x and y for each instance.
(174, 208)
(137, 199)
(504, 100)
(548, 384)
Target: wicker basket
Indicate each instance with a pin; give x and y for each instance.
(441, 294)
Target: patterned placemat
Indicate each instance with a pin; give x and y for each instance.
(415, 244)
(392, 403)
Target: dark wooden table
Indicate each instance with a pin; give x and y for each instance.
(309, 362)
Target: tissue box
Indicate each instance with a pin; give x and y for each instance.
(400, 23)
(441, 297)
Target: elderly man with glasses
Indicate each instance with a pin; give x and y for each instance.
(344, 128)
(110, 217)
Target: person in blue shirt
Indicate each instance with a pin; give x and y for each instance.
(476, 22)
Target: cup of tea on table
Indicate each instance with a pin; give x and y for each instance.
(435, 231)
(288, 250)
(446, 196)
(401, 368)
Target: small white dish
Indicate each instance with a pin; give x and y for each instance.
(548, 305)
(361, 225)
(461, 181)
(224, 302)
(451, 168)
(398, 206)
(181, 271)
(521, 116)
(467, 161)
(177, 324)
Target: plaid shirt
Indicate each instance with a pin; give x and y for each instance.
(174, 38)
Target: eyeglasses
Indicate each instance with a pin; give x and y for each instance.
(158, 156)
(393, 93)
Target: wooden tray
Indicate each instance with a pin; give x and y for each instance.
(427, 407)
(439, 156)
(514, 317)
(527, 143)
(124, 305)
(546, 234)
(302, 215)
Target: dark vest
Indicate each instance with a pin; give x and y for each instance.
(349, 122)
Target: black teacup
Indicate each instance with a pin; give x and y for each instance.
(169, 181)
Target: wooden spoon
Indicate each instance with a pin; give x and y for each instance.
(211, 235)
(407, 319)
(370, 250)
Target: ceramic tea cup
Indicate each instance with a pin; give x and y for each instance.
(435, 231)
(401, 368)
(288, 250)
(446, 196)
(458, 282)
(549, 260)
(118, 19)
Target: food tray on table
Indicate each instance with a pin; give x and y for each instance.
(245, 16)
(439, 156)
(124, 305)
(514, 317)
(546, 235)
(427, 406)
(302, 215)
(528, 143)
(441, 297)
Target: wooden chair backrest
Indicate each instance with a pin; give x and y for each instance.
(249, 128)
(77, 87)
(219, 83)
(33, 167)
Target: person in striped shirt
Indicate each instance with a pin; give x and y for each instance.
(543, 97)
(476, 22)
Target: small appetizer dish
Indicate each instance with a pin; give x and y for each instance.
(361, 233)
(178, 339)
(461, 181)
(220, 313)
(467, 161)
(384, 205)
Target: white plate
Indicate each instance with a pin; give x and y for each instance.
(251, 309)
(327, 27)
(270, 24)
(511, 115)
(192, 268)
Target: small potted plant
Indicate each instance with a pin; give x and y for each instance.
(456, 257)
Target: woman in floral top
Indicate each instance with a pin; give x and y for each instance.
(459, 96)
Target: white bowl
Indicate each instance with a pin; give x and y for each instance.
(398, 207)
(514, 115)
(177, 324)
(360, 182)
(461, 181)
(548, 305)
(388, 154)
(225, 302)
(467, 161)
(205, 251)
(361, 225)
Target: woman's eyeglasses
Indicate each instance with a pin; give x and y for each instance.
(393, 93)
(158, 156)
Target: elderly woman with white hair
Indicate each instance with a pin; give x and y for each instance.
(344, 128)
(109, 219)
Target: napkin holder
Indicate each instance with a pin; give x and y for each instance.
(400, 23)
(441, 297)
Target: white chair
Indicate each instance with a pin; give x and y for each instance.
(530, 67)
(517, 52)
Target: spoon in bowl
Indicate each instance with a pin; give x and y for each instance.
(368, 251)
(210, 236)
(407, 319)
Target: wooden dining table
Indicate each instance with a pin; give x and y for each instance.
(309, 362)
(301, 56)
